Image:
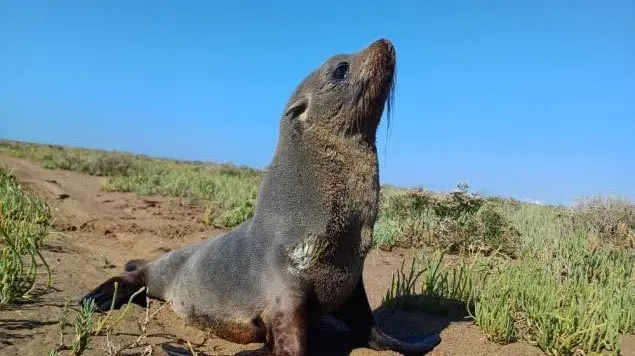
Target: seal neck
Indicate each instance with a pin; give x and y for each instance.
(316, 184)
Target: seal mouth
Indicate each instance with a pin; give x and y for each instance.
(376, 85)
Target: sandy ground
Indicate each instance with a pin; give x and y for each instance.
(100, 231)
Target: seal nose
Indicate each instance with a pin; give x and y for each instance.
(384, 44)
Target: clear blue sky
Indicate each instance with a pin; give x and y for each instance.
(533, 99)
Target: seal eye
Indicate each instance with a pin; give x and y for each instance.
(340, 71)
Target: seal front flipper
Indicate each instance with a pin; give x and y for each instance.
(128, 284)
(358, 316)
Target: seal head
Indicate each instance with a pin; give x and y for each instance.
(347, 94)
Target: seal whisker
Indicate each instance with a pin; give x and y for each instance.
(390, 104)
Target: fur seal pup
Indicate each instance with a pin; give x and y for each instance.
(301, 255)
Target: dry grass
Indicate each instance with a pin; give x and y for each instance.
(611, 219)
(86, 328)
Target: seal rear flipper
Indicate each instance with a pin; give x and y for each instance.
(380, 341)
(129, 284)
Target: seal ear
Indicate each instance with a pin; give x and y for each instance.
(297, 109)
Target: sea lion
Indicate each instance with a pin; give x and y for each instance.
(301, 255)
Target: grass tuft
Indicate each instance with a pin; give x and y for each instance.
(83, 327)
(24, 223)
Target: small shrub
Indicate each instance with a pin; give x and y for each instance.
(456, 222)
(612, 219)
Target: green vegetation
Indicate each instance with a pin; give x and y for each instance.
(83, 326)
(560, 278)
(229, 191)
(571, 289)
(83, 330)
(24, 222)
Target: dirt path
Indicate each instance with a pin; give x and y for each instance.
(100, 231)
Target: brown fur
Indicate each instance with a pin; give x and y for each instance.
(240, 333)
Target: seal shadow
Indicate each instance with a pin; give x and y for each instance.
(408, 323)
(415, 315)
(329, 336)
